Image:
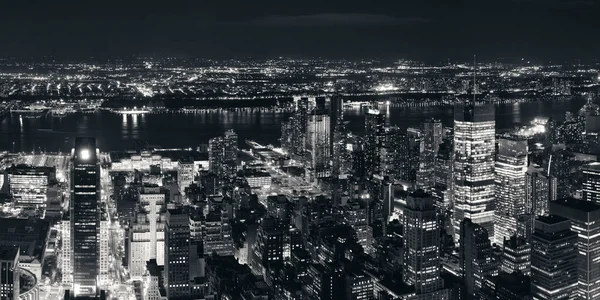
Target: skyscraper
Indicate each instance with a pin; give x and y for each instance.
(540, 189)
(432, 134)
(318, 144)
(374, 135)
(511, 166)
(85, 217)
(473, 170)
(591, 183)
(584, 217)
(222, 154)
(177, 254)
(553, 259)
(421, 243)
(476, 261)
(9, 274)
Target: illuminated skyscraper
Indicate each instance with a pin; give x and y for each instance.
(374, 136)
(584, 216)
(473, 173)
(553, 259)
(319, 145)
(85, 217)
(540, 189)
(516, 256)
(511, 166)
(421, 243)
(177, 254)
(222, 154)
(432, 134)
(591, 183)
(476, 261)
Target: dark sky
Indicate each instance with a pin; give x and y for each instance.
(432, 30)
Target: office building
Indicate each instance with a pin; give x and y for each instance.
(9, 274)
(216, 234)
(506, 286)
(516, 256)
(540, 189)
(510, 169)
(28, 186)
(318, 144)
(591, 182)
(185, 174)
(584, 217)
(374, 136)
(421, 243)
(473, 171)
(85, 217)
(476, 261)
(442, 177)
(432, 135)
(553, 259)
(177, 254)
(355, 214)
(222, 154)
(268, 246)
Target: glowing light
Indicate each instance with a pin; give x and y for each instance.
(85, 154)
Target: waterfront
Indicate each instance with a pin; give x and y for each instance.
(178, 130)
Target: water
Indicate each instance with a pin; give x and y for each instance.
(179, 130)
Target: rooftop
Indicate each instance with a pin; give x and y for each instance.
(577, 204)
(8, 253)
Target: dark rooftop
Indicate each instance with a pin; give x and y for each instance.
(8, 253)
(581, 205)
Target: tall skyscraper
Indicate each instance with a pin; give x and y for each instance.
(476, 261)
(374, 135)
(540, 189)
(177, 254)
(421, 244)
(511, 166)
(318, 144)
(584, 217)
(474, 150)
(222, 154)
(591, 183)
(85, 217)
(442, 177)
(432, 134)
(553, 259)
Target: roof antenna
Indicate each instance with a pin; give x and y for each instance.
(474, 79)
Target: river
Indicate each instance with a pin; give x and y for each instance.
(178, 130)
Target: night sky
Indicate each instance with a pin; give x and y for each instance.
(430, 30)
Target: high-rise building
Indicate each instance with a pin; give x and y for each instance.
(147, 232)
(510, 169)
(591, 182)
(85, 217)
(185, 174)
(104, 263)
(584, 217)
(268, 247)
(177, 254)
(540, 189)
(473, 171)
(9, 274)
(442, 177)
(374, 136)
(476, 256)
(222, 154)
(432, 134)
(506, 286)
(318, 137)
(66, 253)
(553, 259)
(516, 256)
(355, 214)
(421, 244)
(216, 234)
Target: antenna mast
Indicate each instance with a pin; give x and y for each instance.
(474, 79)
